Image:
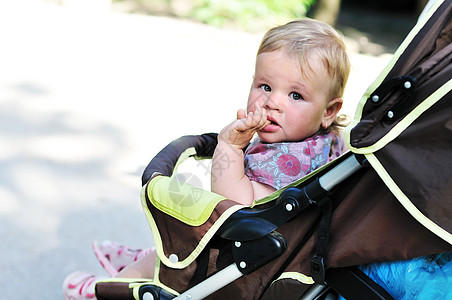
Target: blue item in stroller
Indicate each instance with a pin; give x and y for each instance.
(426, 277)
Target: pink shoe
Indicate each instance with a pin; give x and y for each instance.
(114, 257)
(80, 286)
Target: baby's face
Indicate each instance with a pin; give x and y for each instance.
(296, 102)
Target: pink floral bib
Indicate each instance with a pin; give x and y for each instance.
(280, 164)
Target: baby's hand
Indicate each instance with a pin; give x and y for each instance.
(241, 131)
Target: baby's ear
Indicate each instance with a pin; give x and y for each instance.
(331, 110)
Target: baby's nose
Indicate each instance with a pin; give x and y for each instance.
(273, 103)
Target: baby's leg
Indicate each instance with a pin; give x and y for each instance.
(142, 268)
(114, 257)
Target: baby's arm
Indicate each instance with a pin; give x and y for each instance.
(228, 173)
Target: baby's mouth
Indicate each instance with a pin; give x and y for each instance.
(272, 121)
(272, 127)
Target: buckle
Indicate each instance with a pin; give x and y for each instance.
(318, 269)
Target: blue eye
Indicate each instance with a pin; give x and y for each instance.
(265, 87)
(296, 96)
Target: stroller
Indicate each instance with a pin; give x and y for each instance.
(387, 199)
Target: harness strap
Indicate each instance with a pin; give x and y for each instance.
(320, 254)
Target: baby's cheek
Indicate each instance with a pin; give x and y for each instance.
(250, 106)
(256, 97)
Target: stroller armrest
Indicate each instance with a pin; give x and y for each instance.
(165, 161)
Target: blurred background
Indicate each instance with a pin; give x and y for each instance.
(90, 90)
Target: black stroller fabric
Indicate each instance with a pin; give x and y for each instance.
(398, 209)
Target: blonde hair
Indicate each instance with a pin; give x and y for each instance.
(303, 37)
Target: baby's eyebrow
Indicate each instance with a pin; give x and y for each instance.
(300, 88)
(262, 76)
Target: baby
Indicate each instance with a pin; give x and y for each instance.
(300, 75)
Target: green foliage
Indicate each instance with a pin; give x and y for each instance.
(249, 15)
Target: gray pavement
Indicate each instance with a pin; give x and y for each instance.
(87, 98)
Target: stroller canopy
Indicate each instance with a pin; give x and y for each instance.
(403, 123)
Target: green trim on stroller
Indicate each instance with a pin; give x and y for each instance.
(188, 204)
(305, 279)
